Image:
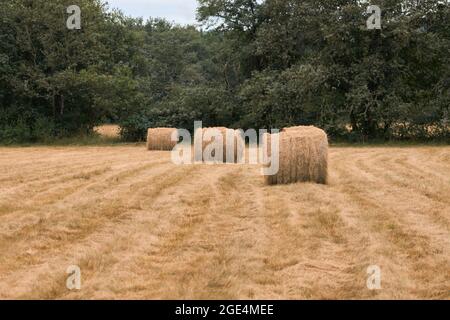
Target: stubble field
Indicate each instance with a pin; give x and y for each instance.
(140, 227)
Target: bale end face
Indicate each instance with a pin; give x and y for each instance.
(303, 156)
(160, 139)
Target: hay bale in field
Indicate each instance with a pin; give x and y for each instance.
(108, 131)
(161, 139)
(303, 156)
(229, 146)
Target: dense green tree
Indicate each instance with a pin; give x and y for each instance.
(186, 78)
(259, 64)
(318, 64)
(51, 76)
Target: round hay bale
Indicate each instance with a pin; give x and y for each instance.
(160, 139)
(303, 156)
(227, 145)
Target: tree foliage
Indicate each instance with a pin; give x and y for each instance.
(258, 64)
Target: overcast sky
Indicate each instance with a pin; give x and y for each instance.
(180, 11)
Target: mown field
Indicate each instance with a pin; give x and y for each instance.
(140, 227)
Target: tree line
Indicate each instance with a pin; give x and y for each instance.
(252, 64)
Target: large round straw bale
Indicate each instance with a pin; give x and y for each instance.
(303, 156)
(227, 145)
(161, 139)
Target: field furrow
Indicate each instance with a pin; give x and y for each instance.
(141, 227)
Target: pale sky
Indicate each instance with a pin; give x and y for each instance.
(179, 11)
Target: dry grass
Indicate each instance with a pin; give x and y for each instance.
(140, 227)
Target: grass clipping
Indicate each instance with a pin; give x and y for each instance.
(160, 139)
(303, 156)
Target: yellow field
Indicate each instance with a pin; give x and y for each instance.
(141, 227)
